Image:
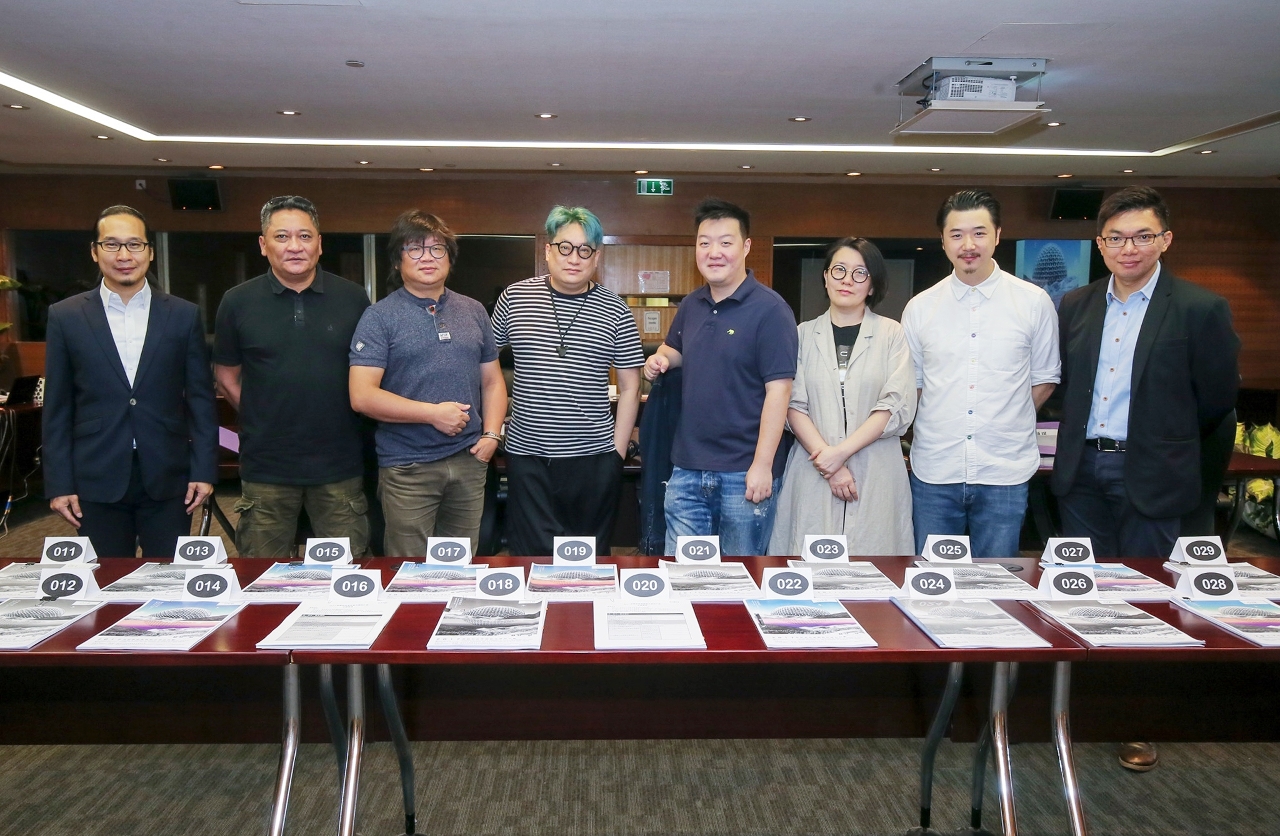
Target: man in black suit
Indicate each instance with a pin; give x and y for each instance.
(130, 428)
(1148, 374)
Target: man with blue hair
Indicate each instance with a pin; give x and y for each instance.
(564, 446)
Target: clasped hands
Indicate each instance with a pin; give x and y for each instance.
(831, 464)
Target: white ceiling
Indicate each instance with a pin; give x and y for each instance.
(1140, 76)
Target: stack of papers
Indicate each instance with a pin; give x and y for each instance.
(323, 625)
(1254, 621)
(1117, 582)
(855, 581)
(711, 582)
(968, 623)
(990, 581)
(21, 580)
(571, 583)
(488, 624)
(789, 623)
(625, 625)
(163, 625)
(1115, 624)
(25, 622)
(290, 582)
(150, 580)
(432, 582)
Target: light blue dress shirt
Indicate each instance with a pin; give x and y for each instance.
(1109, 415)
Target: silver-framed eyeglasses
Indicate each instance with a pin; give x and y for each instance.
(1145, 239)
(839, 273)
(566, 248)
(418, 251)
(112, 246)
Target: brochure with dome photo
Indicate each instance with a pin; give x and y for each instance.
(489, 624)
(164, 625)
(788, 623)
(25, 622)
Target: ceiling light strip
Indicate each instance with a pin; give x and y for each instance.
(1255, 124)
(63, 103)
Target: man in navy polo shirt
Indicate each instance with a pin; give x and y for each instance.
(736, 340)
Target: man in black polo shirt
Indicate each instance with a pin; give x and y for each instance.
(737, 342)
(280, 357)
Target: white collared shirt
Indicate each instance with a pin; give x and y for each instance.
(128, 324)
(977, 352)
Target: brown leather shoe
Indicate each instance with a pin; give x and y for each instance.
(1140, 757)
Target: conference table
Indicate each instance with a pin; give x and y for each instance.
(730, 636)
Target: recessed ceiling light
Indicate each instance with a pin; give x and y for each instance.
(642, 171)
(1127, 171)
(162, 159)
(546, 116)
(555, 165)
(1064, 176)
(746, 166)
(217, 167)
(800, 119)
(289, 112)
(102, 136)
(355, 64)
(426, 169)
(1206, 152)
(362, 162)
(853, 174)
(16, 107)
(1053, 124)
(935, 169)
(919, 249)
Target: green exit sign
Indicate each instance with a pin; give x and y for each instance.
(655, 186)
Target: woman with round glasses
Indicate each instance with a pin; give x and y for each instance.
(854, 396)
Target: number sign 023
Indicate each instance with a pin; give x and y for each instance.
(825, 548)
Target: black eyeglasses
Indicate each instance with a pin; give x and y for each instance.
(110, 246)
(417, 251)
(566, 249)
(858, 274)
(1145, 239)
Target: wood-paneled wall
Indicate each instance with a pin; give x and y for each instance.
(1225, 239)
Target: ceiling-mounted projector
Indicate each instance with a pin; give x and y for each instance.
(970, 95)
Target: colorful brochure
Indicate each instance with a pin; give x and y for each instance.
(163, 625)
(1256, 621)
(1117, 582)
(788, 623)
(432, 582)
(290, 582)
(571, 583)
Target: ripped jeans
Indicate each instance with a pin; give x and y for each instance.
(710, 502)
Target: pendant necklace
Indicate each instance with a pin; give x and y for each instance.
(563, 349)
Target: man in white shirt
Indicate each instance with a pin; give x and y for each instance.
(985, 348)
(130, 428)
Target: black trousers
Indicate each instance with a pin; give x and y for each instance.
(116, 529)
(564, 497)
(1098, 507)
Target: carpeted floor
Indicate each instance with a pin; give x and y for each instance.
(628, 788)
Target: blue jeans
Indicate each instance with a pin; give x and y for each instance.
(990, 514)
(700, 502)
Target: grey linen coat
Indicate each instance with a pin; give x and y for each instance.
(880, 377)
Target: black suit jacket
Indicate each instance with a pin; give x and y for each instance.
(92, 415)
(1185, 380)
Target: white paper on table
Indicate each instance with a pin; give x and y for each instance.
(970, 622)
(571, 583)
(148, 581)
(664, 625)
(711, 582)
(319, 624)
(25, 622)
(489, 624)
(1115, 624)
(788, 623)
(852, 581)
(164, 625)
(433, 582)
(987, 580)
(290, 582)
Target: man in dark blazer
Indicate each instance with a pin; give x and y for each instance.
(130, 427)
(1148, 374)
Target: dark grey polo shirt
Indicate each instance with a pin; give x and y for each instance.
(296, 422)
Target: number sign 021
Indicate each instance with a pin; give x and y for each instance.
(699, 549)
